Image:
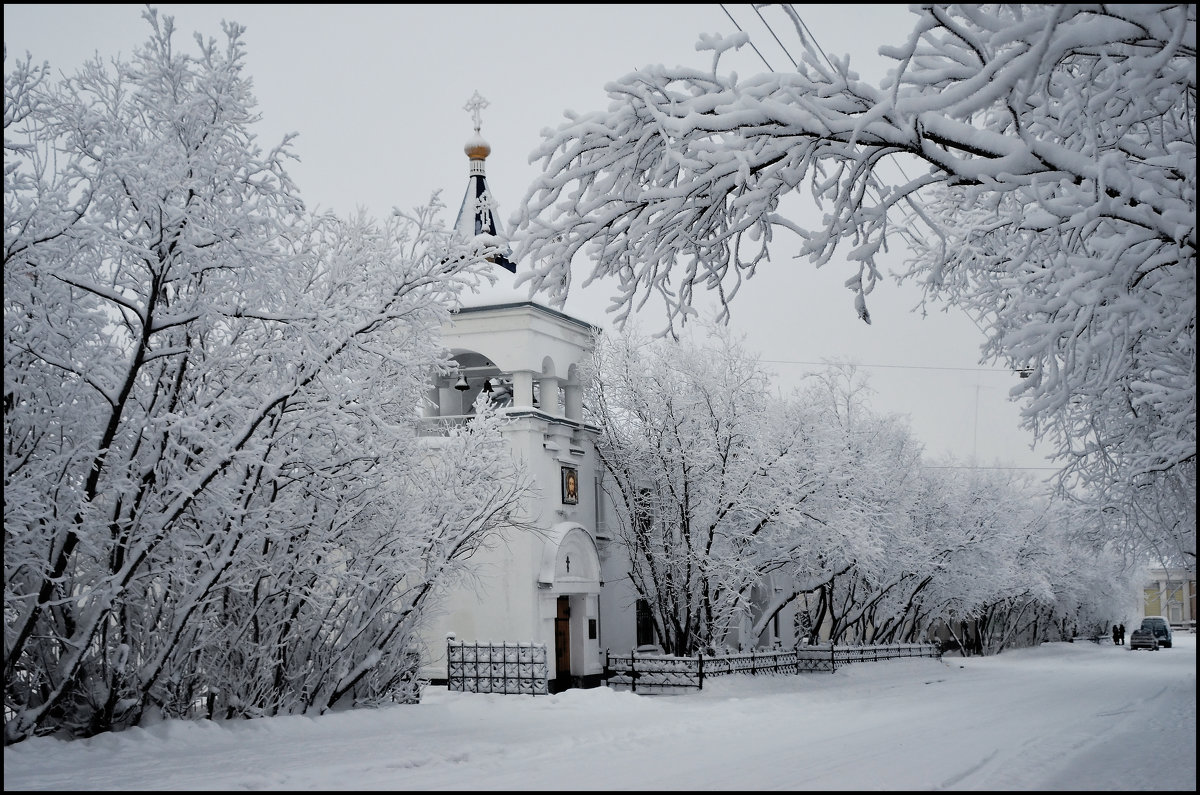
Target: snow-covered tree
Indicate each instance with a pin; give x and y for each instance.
(213, 487)
(736, 505)
(1052, 197)
(715, 482)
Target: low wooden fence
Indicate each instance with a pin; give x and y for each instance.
(649, 673)
(516, 668)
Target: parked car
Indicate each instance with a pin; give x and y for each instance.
(1161, 629)
(1143, 638)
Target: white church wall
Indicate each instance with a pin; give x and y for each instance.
(511, 599)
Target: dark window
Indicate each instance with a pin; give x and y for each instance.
(645, 626)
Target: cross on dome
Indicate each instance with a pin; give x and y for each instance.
(474, 105)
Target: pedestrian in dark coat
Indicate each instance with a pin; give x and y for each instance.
(1121, 627)
(1116, 635)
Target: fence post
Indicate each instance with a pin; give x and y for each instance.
(700, 675)
(632, 671)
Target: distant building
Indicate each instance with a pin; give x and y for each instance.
(1171, 593)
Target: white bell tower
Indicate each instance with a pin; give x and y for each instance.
(543, 586)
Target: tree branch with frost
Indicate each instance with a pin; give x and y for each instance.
(1057, 151)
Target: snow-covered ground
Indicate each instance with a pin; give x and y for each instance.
(1060, 717)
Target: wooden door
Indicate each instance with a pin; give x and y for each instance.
(562, 644)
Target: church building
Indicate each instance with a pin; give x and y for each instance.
(541, 586)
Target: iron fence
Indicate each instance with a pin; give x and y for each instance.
(662, 674)
(828, 657)
(658, 673)
(514, 668)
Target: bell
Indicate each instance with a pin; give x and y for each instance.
(462, 385)
(487, 386)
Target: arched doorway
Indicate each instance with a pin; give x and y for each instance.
(570, 583)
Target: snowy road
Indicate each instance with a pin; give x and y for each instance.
(1061, 717)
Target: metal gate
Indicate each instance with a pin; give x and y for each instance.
(517, 668)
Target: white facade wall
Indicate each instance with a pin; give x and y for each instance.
(519, 582)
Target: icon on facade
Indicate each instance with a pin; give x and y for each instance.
(570, 486)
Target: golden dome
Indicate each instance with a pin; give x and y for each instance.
(477, 148)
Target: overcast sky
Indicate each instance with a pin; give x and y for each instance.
(376, 94)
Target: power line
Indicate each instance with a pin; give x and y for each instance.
(811, 37)
(777, 41)
(752, 45)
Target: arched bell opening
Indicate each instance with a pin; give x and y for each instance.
(453, 393)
